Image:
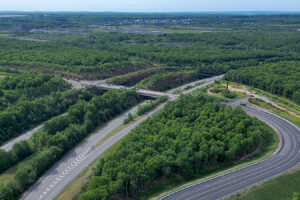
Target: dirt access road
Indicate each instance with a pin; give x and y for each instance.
(257, 96)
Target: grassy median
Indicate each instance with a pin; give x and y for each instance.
(80, 183)
(280, 188)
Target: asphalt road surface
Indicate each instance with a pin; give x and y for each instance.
(8, 146)
(70, 166)
(204, 82)
(286, 158)
(25, 136)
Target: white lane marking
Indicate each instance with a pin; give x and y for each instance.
(66, 171)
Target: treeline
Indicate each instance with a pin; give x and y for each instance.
(190, 135)
(64, 132)
(161, 79)
(142, 109)
(97, 56)
(82, 21)
(168, 80)
(23, 115)
(20, 85)
(27, 99)
(83, 59)
(134, 78)
(18, 152)
(281, 78)
(30, 113)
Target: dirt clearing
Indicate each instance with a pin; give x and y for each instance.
(245, 90)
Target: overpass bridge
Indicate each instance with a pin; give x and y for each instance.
(102, 84)
(142, 92)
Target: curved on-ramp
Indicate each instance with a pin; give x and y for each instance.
(286, 158)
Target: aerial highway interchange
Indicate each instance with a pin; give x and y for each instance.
(287, 157)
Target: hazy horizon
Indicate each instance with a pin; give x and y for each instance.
(151, 6)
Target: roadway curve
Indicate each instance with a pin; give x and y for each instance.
(287, 157)
(70, 166)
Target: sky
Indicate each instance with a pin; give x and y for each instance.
(150, 5)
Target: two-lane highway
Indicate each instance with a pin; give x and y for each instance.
(287, 157)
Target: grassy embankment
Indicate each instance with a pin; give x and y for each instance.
(280, 188)
(277, 111)
(281, 101)
(218, 89)
(8, 176)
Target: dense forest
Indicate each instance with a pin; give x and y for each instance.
(28, 86)
(146, 60)
(191, 134)
(281, 78)
(28, 98)
(56, 104)
(152, 51)
(83, 21)
(59, 135)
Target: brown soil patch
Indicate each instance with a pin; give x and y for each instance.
(245, 90)
(242, 89)
(209, 92)
(83, 75)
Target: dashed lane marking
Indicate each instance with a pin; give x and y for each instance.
(66, 171)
